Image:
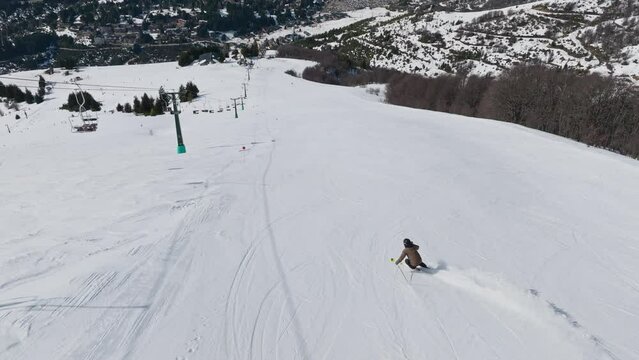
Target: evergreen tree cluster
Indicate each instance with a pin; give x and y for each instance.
(67, 62)
(146, 105)
(90, 103)
(188, 92)
(187, 57)
(29, 44)
(251, 51)
(13, 92)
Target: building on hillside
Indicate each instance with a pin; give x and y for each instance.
(206, 58)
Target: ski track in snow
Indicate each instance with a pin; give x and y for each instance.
(289, 298)
(496, 292)
(279, 250)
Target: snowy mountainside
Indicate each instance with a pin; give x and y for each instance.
(271, 237)
(474, 5)
(589, 35)
(350, 5)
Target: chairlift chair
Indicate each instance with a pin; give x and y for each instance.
(89, 120)
(167, 104)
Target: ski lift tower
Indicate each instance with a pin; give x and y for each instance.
(181, 149)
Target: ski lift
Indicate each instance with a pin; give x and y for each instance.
(166, 100)
(89, 120)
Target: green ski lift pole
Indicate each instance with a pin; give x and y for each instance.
(181, 149)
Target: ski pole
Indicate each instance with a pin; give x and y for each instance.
(400, 270)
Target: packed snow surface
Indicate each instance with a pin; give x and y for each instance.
(271, 237)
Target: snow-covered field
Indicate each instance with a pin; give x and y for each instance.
(271, 237)
(380, 14)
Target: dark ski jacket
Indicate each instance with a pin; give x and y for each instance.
(413, 256)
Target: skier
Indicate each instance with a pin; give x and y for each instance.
(413, 259)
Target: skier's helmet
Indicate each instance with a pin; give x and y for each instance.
(408, 243)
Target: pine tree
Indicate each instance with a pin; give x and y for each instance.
(183, 94)
(119, 108)
(189, 92)
(89, 102)
(190, 87)
(158, 107)
(251, 51)
(185, 59)
(127, 108)
(147, 104)
(38, 99)
(15, 93)
(137, 108)
(28, 96)
(41, 83)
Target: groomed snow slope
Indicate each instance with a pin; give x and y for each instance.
(115, 247)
